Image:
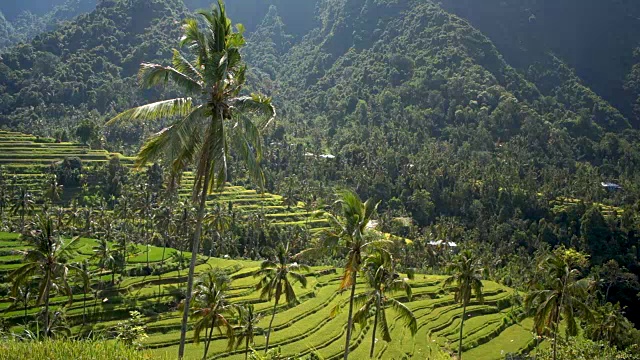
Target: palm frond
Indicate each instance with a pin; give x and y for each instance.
(405, 314)
(154, 74)
(154, 111)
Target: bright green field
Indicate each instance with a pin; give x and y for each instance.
(488, 332)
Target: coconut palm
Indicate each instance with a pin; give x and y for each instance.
(82, 278)
(22, 297)
(278, 277)
(208, 126)
(106, 257)
(382, 280)
(609, 324)
(349, 236)
(248, 327)
(211, 308)
(23, 205)
(54, 190)
(467, 281)
(563, 294)
(46, 264)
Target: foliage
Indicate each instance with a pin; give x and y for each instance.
(70, 349)
(131, 332)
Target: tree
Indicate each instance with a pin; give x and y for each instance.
(467, 281)
(382, 280)
(54, 190)
(348, 237)
(23, 205)
(106, 258)
(46, 263)
(82, 278)
(203, 134)
(248, 326)
(87, 131)
(278, 278)
(211, 308)
(561, 294)
(609, 324)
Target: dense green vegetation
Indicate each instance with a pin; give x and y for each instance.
(495, 144)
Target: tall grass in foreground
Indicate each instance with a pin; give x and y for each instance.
(71, 350)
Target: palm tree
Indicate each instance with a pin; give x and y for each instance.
(211, 306)
(106, 259)
(467, 280)
(54, 190)
(609, 324)
(204, 133)
(248, 326)
(562, 294)
(82, 277)
(23, 205)
(349, 236)
(45, 263)
(278, 277)
(381, 281)
(23, 297)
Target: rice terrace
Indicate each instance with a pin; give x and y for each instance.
(319, 179)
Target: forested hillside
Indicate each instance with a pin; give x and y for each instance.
(27, 19)
(507, 127)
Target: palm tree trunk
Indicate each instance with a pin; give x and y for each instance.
(350, 319)
(84, 307)
(464, 314)
(555, 341)
(246, 348)
(46, 310)
(273, 316)
(206, 346)
(194, 257)
(375, 328)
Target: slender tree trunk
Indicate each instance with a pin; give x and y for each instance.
(84, 307)
(555, 341)
(113, 277)
(464, 314)
(273, 316)
(246, 348)
(194, 257)
(375, 328)
(350, 319)
(46, 309)
(26, 304)
(206, 346)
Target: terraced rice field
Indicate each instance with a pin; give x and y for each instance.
(489, 330)
(26, 159)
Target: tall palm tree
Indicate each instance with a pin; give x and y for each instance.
(204, 133)
(563, 294)
(106, 257)
(349, 237)
(211, 308)
(382, 280)
(278, 277)
(46, 264)
(82, 278)
(609, 324)
(248, 326)
(467, 281)
(54, 190)
(23, 205)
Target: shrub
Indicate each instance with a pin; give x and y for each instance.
(69, 349)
